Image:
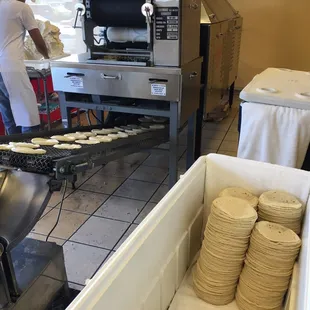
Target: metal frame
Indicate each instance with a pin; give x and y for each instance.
(173, 114)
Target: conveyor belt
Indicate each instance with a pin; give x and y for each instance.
(92, 154)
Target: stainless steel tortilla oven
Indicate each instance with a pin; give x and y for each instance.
(149, 51)
(139, 32)
(146, 51)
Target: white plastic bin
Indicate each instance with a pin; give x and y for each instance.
(147, 270)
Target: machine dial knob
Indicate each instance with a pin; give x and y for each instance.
(147, 9)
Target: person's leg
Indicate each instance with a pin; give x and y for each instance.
(6, 111)
(30, 129)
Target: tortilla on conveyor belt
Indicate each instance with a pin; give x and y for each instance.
(67, 146)
(28, 151)
(122, 135)
(104, 139)
(23, 144)
(64, 139)
(44, 142)
(5, 147)
(131, 132)
(113, 136)
(156, 127)
(87, 133)
(77, 136)
(102, 131)
(87, 142)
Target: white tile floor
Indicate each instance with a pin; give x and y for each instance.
(109, 203)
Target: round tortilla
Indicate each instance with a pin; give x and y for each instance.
(28, 151)
(5, 147)
(89, 142)
(63, 138)
(156, 127)
(113, 136)
(122, 135)
(66, 146)
(86, 133)
(102, 131)
(44, 142)
(77, 136)
(131, 132)
(26, 145)
(103, 139)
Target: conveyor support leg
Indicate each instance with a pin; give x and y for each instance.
(173, 155)
(191, 141)
(65, 111)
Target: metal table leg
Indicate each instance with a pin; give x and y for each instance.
(199, 122)
(231, 94)
(48, 111)
(99, 113)
(65, 111)
(191, 140)
(174, 137)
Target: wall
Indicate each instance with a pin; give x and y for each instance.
(276, 34)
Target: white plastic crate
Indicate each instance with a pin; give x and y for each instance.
(147, 271)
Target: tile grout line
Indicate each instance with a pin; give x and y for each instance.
(98, 208)
(133, 221)
(225, 135)
(73, 190)
(109, 196)
(68, 240)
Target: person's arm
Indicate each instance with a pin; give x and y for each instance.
(39, 42)
(30, 24)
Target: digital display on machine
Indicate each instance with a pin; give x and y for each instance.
(167, 23)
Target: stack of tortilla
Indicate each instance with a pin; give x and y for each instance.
(268, 267)
(281, 208)
(241, 193)
(223, 251)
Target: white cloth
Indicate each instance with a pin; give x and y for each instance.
(16, 18)
(274, 134)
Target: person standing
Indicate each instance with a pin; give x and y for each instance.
(18, 103)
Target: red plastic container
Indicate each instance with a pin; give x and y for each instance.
(49, 81)
(2, 128)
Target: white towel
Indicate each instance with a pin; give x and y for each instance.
(274, 134)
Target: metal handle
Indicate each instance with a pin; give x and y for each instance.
(110, 77)
(158, 81)
(70, 74)
(193, 75)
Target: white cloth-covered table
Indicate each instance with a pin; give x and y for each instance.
(274, 134)
(275, 125)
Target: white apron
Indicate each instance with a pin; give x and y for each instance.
(22, 97)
